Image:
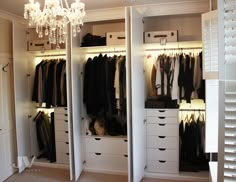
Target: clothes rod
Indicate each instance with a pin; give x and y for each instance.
(192, 110)
(107, 52)
(50, 55)
(172, 49)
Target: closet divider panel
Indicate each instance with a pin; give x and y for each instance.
(76, 88)
(22, 104)
(137, 96)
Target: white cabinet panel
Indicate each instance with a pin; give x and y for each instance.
(162, 142)
(62, 147)
(107, 145)
(163, 166)
(162, 129)
(162, 112)
(161, 119)
(138, 95)
(162, 154)
(107, 161)
(22, 104)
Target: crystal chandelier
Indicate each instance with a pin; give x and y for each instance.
(53, 19)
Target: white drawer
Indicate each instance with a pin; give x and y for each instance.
(161, 119)
(60, 110)
(61, 125)
(61, 136)
(62, 147)
(162, 142)
(162, 112)
(163, 154)
(107, 145)
(61, 117)
(163, 166)
(163, 129)
(63, 158)
(106, 161)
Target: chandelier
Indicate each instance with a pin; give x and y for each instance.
(53, 19)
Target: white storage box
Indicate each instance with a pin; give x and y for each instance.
(161, 37)
(39, 45)
(115, 38)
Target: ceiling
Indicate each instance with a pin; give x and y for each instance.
(17, 6)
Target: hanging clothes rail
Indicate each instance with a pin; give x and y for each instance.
(50, 55)
(192, 110)
(173, 49)
(107, 52)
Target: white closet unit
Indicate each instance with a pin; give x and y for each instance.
(186, 18)
(106, 154)
(24, 64)
(7, 127)
(227, 91)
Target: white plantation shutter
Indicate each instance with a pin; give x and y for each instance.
(229, 91)
(210, 45)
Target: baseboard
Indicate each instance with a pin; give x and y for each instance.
(51, 165)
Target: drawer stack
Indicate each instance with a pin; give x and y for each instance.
(61, 135)
(162, 141)
(106, 153)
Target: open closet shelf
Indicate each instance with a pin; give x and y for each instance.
(173, 45)
(103, 49)
(106, 136)
(45, 163)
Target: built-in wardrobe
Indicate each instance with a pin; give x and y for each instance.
(108, 151)
(43, 128)
(155, 131)
(130, 152)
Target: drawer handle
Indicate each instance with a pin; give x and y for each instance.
(161, 117)
(66, 121)
(162, 111)
(66, 131)
(125, 155)
(67, 153)
(161, 124)
(162, 149)
(97, 138)
(98, 154)
(125, 140)
(65, 109)
(162, 161)
(67, 143)
(161, 136)
(66, 114)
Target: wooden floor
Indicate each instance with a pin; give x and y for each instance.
(42, 174)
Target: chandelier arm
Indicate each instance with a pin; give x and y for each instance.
(67, 6)
(61, 3)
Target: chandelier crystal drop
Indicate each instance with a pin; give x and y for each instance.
(53, 19)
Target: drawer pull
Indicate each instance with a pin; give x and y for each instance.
(66, 121)
(65, 109)
(97, 138)
(162, 161)
(67, 143)
(66, 114)
(161, 136)
(161, 117)
(67, 153)
(66, 132)
(125, 155)
(98, 154)
(161, 149)
(161, 124)
(125, 140)
(162, 111)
